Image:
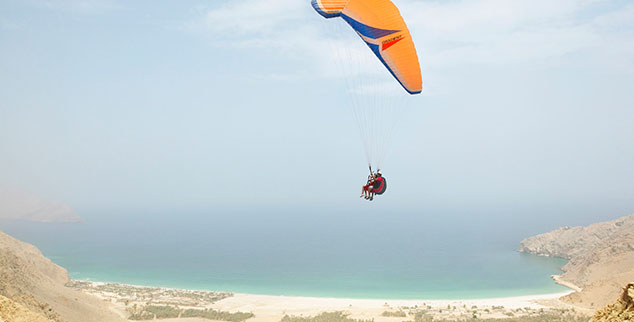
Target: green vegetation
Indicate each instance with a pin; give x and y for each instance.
(155, 295)
(151, 312)
(217, 315)
(148, 312)
(399, 314)
(550, 317)
(423, 316)
(324, 317)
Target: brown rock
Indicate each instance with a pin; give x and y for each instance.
(622, 310)
(601, 258)
(11, 311)
(33, 281)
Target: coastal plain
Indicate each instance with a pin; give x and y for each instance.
(35, 289)
(275, 308)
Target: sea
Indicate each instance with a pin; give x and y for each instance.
(321, 253)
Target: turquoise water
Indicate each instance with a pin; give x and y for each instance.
(364, 255)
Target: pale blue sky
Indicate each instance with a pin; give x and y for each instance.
(150, 105)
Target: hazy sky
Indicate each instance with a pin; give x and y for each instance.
(145, 105)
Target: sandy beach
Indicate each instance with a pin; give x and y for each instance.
(560, 281)
(273, 308)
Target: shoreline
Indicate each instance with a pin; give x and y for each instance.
(274, 307)
(512, 301)
(560, 281)
(540, 296)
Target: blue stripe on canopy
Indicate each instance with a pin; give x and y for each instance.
(367, 31)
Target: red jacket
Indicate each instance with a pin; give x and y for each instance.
(378, 184)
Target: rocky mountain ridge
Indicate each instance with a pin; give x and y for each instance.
(30, 280)
(23, 205)
(601, 258)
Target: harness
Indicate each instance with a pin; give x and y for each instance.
(381, 188)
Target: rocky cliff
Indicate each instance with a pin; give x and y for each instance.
(28, 280)
(622, 310)
(601, 258)
(10, 311)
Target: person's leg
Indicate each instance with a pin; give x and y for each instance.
(362, 192)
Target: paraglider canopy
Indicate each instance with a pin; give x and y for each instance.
(380, 24)
(375, 98)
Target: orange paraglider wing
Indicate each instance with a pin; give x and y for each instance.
(380, 24)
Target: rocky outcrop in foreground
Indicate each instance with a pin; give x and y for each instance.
(30, 281)
(14, 312)
(601, 258)
(622, 310)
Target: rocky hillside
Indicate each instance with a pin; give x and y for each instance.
(14, 312)
(622, 310)
(33, 282)
(569, 242)
(601, 258)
